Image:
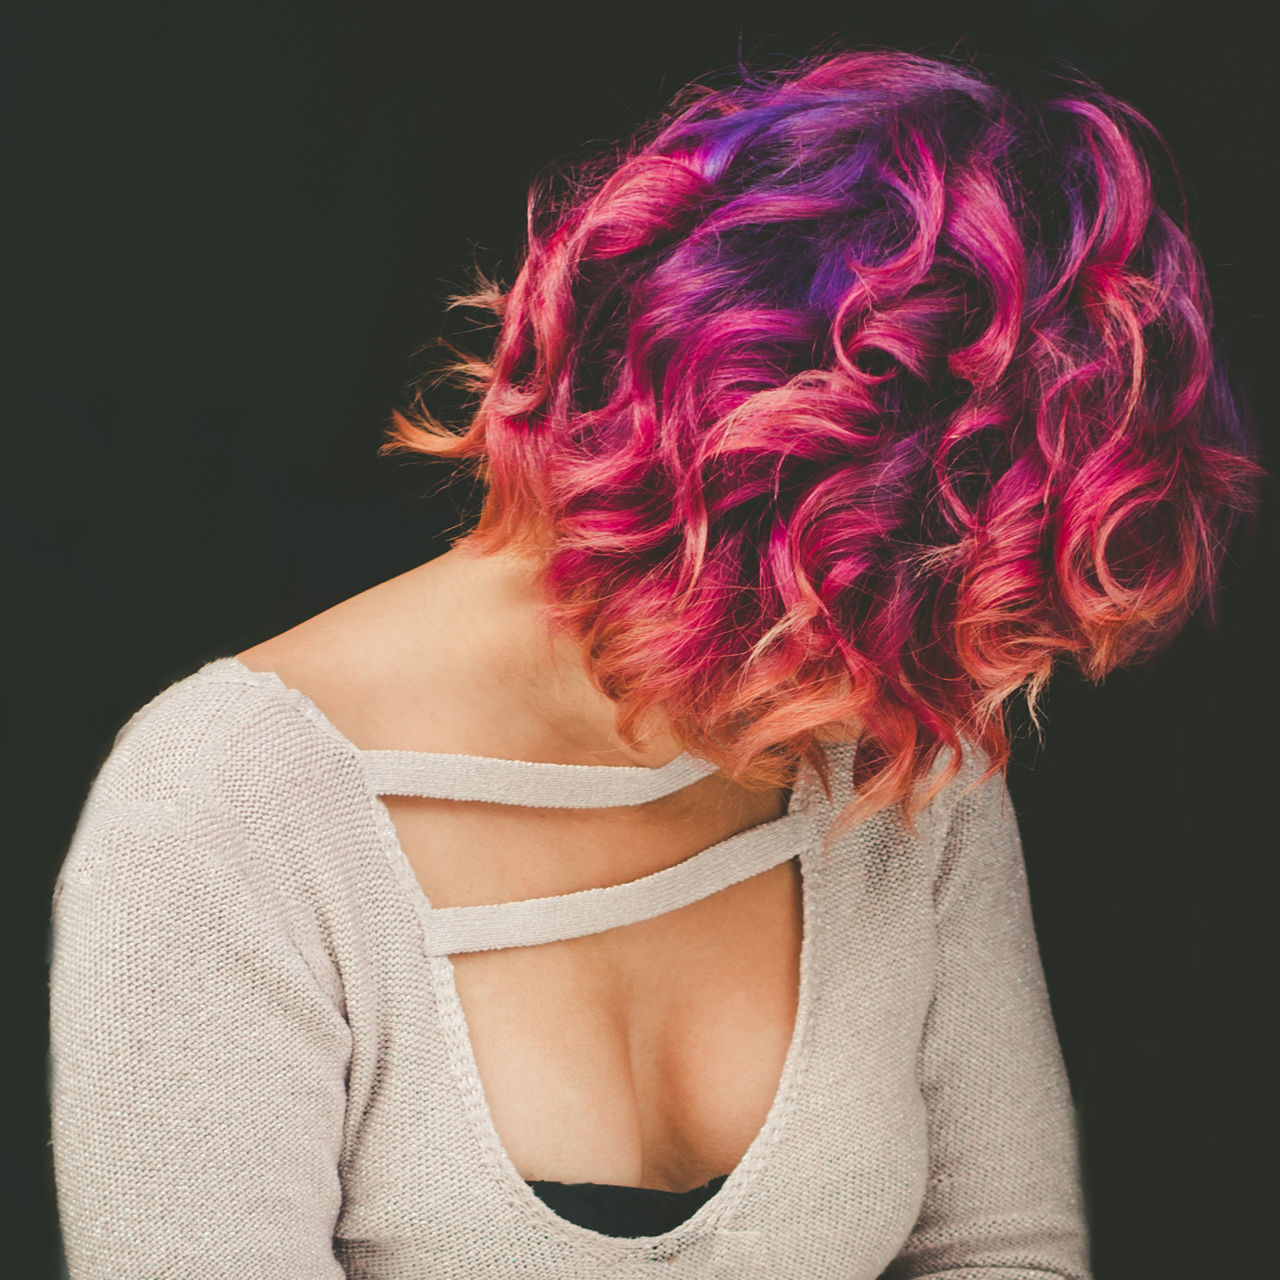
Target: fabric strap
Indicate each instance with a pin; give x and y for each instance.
(558, 786)
(532, 921)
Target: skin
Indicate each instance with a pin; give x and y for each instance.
(648, 1055)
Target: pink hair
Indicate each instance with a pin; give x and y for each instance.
(857, 394)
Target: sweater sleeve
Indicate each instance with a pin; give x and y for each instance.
(197, 1064)
(1003, 1199)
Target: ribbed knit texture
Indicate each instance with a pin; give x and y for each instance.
(261, 1068)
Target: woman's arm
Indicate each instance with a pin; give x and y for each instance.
(1004, 1199)
(197, 1064)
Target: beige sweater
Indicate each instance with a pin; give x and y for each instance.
(261, 1068)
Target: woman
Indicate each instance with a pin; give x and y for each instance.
(635, 882)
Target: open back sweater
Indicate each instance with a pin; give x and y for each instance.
(260, 1065)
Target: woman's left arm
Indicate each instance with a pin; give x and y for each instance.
(1004, 1200)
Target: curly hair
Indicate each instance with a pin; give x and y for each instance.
(857, 393)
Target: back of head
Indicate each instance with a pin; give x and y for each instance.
(858, 394)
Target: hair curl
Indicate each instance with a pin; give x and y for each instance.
(857, 393)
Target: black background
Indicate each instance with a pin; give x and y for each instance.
(230, 230)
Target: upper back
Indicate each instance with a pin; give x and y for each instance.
(598, 1062)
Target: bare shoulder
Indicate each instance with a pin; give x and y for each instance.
(451, 657)
(378, 663)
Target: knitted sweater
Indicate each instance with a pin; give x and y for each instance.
(260, 1066)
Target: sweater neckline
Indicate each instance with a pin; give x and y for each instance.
(461, 776)
(737, 1184)
(795, 834)
(533, 921)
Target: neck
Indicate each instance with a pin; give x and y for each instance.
(551, 676)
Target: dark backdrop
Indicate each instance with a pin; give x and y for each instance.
(230, 229)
